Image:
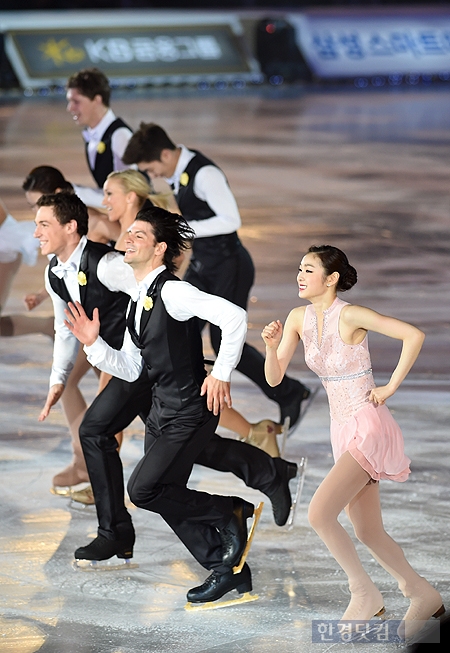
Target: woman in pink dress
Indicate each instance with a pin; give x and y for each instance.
(367, 442)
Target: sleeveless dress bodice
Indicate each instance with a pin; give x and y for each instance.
(367, 431)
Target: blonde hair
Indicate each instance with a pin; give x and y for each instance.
(135, 181)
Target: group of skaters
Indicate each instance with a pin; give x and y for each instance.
(132, 291)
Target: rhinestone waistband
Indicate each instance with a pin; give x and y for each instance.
(346, 377)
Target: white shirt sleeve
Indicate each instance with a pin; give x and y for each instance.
(211, 186)
(65, 347)
(119, 142)
(183, 301)
(115, 274)
(126, 363)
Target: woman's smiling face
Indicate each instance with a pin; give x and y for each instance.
(115, 199)
(311, 278)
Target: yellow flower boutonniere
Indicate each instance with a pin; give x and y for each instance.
(101, 147)
(148, 303)
(81, 278)
(184, 179)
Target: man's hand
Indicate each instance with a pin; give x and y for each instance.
(217, 394)
(53, 396)
(84, 329)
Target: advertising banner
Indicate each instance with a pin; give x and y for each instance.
(348, 45)
(159, 54)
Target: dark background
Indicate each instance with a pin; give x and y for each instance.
(205, 4)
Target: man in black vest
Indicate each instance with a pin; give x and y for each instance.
(106, 137)
(220, 265)
(163, 349)
(83, 271)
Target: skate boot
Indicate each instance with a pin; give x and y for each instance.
(426, 602)
(97, 554)
(281, 499)
(85, 495)
(264, 436)
(207, 595)
(366, 602)
(234, 535)
(72, 475)
(236, 540)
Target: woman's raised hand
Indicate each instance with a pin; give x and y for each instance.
(271, 334)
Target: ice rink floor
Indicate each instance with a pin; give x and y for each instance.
(365, 171)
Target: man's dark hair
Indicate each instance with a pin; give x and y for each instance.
(147, 143)
(46, 179)
(169, 228)
(66, 207)
(91, 82)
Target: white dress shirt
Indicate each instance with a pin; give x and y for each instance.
(211, 186)
(182, 301)
(119, 140)
(93, 197)
(112, 272)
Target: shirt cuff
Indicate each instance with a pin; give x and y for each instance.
(58, 376)
(221, 372)
(96, 352)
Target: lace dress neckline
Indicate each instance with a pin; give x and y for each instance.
(326, 313)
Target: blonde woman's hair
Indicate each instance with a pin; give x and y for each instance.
(135, 181)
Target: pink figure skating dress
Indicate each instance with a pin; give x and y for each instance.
(367, 431)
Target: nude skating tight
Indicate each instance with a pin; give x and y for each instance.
(346, 487)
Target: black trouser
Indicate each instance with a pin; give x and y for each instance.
(173, 442)
(112, 411)
(232, 277)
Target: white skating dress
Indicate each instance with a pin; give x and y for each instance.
(16, 237)
(367, 431)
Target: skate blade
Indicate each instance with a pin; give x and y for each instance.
(256, 517)
(104, 565)
(84, 496)
(68, 490)
(300, 478)
(81, 507)
(61, 491)
(284, 435)
(214, 605)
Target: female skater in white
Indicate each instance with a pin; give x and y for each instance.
(367, 442)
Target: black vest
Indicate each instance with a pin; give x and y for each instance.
(104, 161)
(112, 306)
(172, 350)
(212, 248)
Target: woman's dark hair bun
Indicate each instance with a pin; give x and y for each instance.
(347, 279)
(334, 260)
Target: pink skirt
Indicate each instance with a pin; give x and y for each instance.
(374, 439)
